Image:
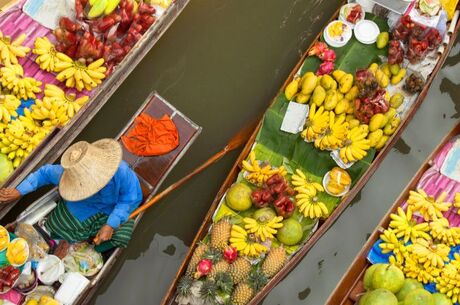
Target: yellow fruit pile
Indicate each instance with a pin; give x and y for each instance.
(4, 238)
(407, 228)
(309, 204)
(8, 106)
(304, 184)
(11, 50)
(257, 174)
(47, 57)
(430, 208)
(17, 252)
(12, 78)
(76, 74)
(263, 230)
(246, 243)
(339, 181)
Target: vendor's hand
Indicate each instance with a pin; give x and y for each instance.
(9, 195)
(104, 234)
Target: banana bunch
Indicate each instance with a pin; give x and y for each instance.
(407, 228)
(259, 175)
(77, 74)
(391, 243)
(413, 269)
(355, 146)
(429, 207)
(12, 78)
(11, 50)
(448, 282)
(316, 124)
(441, 230)
(309, 204)
(50, 114)
(46, 54)
(69, 103)
(335, 133)
(304, 184)
(8, 106)
(20, 138)
(244, 243)
(263, 230)
(428, 253)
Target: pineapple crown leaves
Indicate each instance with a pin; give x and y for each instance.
(257, 279)
(208, 292)
(224, 282)
(184, 286)
(215, 255)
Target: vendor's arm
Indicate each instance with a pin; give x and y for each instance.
(46, 175)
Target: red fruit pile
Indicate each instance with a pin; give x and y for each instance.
(419, 39)
(8, 276)
(355, 14)
(276, 192)
(395, 53)
(111, 36)
(365, 108)
(328, 56)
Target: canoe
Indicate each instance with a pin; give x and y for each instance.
(151, 172)
(61, 137)
(323, 225)
(350, 287)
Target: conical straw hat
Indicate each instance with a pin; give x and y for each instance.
(88, 168)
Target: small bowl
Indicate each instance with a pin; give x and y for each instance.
(366, 31)
(44, 267)
(345, 8)
(326, 179)
(26, 249)
(339, 41)
(30, 289)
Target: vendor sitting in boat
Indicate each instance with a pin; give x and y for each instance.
(99, 192)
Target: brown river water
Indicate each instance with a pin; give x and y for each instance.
(221, 63)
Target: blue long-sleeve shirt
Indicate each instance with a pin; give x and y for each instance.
(117, 199)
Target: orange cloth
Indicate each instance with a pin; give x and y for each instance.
(151, 137)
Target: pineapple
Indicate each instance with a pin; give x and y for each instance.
(184, 286)
(196, 257)
(274, 261)
(221, 267)
(220, 234)
(244, 292)
(208, 292)
(213, 254)
(240, 269)
(224, 282)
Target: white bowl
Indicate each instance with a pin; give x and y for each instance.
(338, 42)
(326, 179)
(343, 18)
(50, 269)
(366, 31)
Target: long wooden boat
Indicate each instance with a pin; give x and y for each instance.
(350, 287)
(61, 137)
(324, 225)
(151, 171)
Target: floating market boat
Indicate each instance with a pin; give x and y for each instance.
(432, 178)
(151, 171)
(293, 180)
(19, 17)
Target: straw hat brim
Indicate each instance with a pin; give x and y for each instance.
(97, 172)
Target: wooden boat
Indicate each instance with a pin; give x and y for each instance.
(151, 172)
(170, 296)
(350, 287)
(60, 138)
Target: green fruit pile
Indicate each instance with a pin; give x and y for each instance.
(386, 285)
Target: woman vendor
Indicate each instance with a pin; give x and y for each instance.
(99, 192)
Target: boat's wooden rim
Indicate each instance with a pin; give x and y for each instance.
(170, 294)
(356, 270)
(56, 143)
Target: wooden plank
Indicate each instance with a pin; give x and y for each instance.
(348, 289)
(170, 294)
(57, 143)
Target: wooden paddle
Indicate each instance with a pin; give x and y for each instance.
(239, 139)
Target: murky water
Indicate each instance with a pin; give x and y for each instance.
(221, 63)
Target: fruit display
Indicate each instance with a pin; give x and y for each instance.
(8, 277)
(17, 252)
(11, 50)
(259, 173)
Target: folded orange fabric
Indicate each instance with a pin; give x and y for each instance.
(151, 137)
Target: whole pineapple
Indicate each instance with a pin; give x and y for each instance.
(240, 269)
(274, 261)
(245, 291)
(220, 234)
(221, 267)
(196, 257)
(184, 287)
(208, 292)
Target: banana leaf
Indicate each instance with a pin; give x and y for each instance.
(354, 55)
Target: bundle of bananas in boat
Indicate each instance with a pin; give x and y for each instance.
(406, 227)
(246, 243)
(47, 56)
(429, 207)
(263, 229)
(12, 78)
(334, 135)
(20, 137)
(57, 107)
(356, 145)
(8, 105)
(11, 50)
(258, 174)
(77, 74)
